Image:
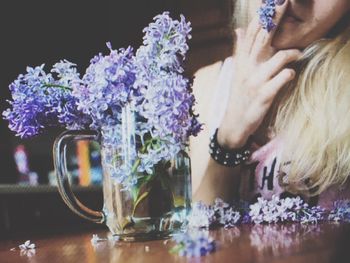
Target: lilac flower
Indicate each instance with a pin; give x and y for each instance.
(201, 216)
(41, 101)
(266, 13)
(106, 87)
(225, 214)
(27, 245)
(164, 44)
(67, 111)
(340, 212)
(166, 95)
(150, 83)
(194, 244)
(284, 210)
(219, 214)
(163, 96)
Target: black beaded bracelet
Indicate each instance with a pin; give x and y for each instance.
(226, 157)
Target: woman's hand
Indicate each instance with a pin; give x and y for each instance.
(259, 73)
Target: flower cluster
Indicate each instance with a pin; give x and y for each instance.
(281, 210)
(266, 14)
(275, 210)
(41, 101)
(193, 244)
(27, 245)
(218, 214)
(106, 87)
(150, 82)
(165, 98)
(201, 216)
(340, 212)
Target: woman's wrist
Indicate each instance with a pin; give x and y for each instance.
(228, 157)
(231, 138)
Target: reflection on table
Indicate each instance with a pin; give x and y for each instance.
(246, 243)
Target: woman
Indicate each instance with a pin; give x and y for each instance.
(285, 97)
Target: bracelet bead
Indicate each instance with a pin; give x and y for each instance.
(228, 157)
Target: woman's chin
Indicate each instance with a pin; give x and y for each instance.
(289, 36)
(286, 42)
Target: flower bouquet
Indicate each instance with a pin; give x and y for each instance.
(139, 107)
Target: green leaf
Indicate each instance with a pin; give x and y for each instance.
(177, 248)
(143, 196)
(142, 181)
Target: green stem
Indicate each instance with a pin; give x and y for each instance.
(137, 196)
(56, 86)
(136, 164)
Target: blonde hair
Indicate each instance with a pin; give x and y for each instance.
(313, 113)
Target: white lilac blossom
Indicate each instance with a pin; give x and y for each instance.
(41, 101)
(275, 210)
(340, 211)
(193, 244)
(218, 214)
(201, 216)
(27, 245)
(225, 214)
(284, 210)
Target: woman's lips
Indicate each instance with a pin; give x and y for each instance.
(291, 17)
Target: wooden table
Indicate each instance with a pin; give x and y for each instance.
(260, 243)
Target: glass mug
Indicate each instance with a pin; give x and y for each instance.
(152, 210)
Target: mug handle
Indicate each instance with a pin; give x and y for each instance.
(60, 164)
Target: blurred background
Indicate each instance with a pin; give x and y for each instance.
(34, 32)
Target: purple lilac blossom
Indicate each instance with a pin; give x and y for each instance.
(67, 111)
(39, 101)
(340, 212)
(266, 13)
(165, 97)
(194, 244)
(164, 44)
(106, 87)
(275, 210)
(151, 82)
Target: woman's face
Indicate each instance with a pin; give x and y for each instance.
(308, 20)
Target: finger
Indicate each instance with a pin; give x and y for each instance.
(274, 85)
(251, 33)
(281, 8)
(240, 33)
(264, 38)
(280, 60)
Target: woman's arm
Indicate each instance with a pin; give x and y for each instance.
(218, 182)
(260, 72)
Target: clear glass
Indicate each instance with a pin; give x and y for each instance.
(155, 207)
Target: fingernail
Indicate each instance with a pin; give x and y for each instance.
(280, 2)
